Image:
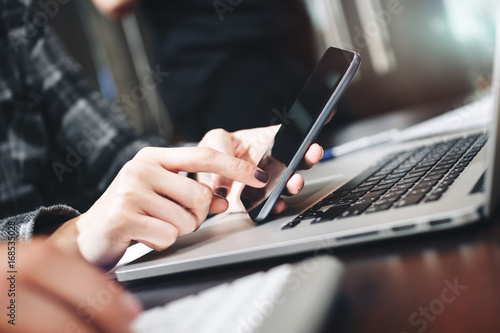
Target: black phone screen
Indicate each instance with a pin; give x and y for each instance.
(300, 126)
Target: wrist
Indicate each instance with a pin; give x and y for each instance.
(65, 238)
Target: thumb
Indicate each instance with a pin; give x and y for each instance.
(222, 141)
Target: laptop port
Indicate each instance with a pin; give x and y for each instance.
(404, 227)
(439, 222)
(361, 235)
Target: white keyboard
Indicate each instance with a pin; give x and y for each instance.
(249, 304)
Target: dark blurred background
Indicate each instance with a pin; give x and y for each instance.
(414, 53)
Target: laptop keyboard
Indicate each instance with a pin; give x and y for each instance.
(402, 179)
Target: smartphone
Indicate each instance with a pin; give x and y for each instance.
(299, 128)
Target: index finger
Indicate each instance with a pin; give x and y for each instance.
(203, 159)
(222, 141)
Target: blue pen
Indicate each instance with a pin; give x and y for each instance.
(361, 143)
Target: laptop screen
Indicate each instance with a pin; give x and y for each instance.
(493, 172)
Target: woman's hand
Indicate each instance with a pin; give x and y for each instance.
(250, 145)
(150, 203)
(52, 292)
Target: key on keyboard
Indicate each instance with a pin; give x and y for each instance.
(400, 180)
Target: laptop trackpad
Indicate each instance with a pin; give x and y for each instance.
(314, 190)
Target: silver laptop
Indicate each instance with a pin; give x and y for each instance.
(395, 190)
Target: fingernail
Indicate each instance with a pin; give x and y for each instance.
(131, 304)
(221, 191)
(261, 176)
(217, 196)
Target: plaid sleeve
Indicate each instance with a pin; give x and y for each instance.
(94, 139)
(84, 141)
(21, 226)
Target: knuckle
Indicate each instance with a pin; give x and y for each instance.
(205, 194)
(191, 223)
(202, 202)
(237, 164)
(200, 219)
(124, 198)
(170, 237)
(135, 169)
(219, 132)
(144, 152)
(129, 168)
(216, 133)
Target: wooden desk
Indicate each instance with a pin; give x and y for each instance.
(443, 282)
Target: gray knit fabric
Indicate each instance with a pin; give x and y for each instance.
(22, 226)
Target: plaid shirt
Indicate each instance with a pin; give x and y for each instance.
(60, 143)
